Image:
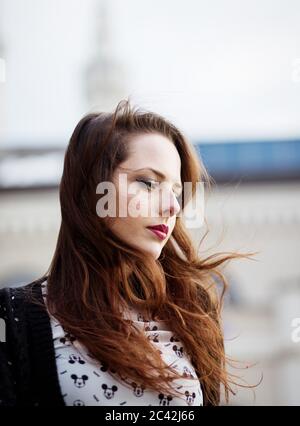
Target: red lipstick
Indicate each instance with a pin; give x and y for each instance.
(161, 231)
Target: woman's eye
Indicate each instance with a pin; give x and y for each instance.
(149, 184)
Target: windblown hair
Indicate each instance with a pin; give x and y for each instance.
(94, 275)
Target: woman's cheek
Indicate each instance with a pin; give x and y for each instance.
(143, 205)
(133, 205)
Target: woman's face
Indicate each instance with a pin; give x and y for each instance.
(153, 199)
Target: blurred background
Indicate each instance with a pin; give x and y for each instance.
(227, 73)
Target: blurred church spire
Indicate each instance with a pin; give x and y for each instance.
(104, 74)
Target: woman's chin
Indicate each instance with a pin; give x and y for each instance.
(153, 251)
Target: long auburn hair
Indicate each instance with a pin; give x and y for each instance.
(94, 275)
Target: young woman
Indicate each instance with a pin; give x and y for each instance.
(128, 313)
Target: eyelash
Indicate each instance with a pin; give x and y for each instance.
(146, 182)
(151, 182)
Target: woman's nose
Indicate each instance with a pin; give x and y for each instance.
(169, 205)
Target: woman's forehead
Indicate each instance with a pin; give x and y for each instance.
(154, 151)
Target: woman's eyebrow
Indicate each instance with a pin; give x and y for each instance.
(159, 174)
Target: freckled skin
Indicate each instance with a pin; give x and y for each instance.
(156, 151)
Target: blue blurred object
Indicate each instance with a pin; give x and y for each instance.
(251, 160)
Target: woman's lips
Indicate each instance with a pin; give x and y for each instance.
(161, 235)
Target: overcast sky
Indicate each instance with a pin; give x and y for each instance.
(223, 69)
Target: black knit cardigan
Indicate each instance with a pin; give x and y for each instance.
(28, 375)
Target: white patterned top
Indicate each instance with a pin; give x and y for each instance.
(84, 381)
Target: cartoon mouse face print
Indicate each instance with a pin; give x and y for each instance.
(190, 397)
(109, 392)
(178, 351)
(68, 338)
(79, 382)
(164, 399)
(74, 358)
(138, 390)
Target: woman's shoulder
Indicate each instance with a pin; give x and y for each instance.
(24, 287)
(15, 297)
